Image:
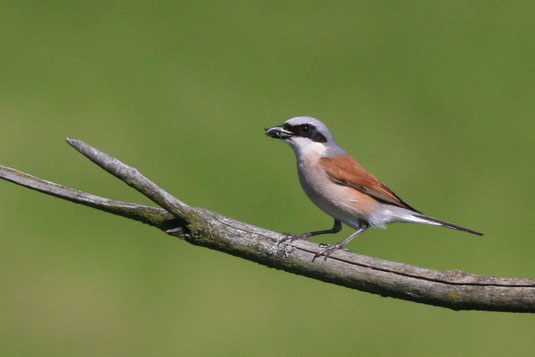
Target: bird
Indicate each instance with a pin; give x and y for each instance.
(341, 187)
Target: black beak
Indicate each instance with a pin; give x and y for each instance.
(277, 132)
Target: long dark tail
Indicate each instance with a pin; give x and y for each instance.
(446, 224)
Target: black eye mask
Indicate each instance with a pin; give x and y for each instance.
(306, 131)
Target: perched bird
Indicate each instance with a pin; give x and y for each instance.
(341, 187)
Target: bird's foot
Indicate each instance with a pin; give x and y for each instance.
(329, 248)
(290, 237)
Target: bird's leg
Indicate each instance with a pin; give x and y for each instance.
(335, 229)
(291, 237)
(331, 248)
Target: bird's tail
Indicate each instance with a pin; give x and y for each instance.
(438, 222)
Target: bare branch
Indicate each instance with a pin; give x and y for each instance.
(153, 216)
(132, 177)
(454, 289)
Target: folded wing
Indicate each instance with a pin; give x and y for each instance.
(345, 171)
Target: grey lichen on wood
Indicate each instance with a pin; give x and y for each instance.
(454, 289)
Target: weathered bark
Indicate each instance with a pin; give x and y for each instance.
(454, 289)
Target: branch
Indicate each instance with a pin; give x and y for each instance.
(454, 289)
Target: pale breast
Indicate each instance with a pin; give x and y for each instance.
(345, 204)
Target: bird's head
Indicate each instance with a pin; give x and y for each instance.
(306, 134)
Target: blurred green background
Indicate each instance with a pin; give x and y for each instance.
(435, 98)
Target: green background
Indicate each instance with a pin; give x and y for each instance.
(435, 98)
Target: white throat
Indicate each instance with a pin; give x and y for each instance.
(304, 146)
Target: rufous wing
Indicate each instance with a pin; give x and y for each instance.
(344, 170)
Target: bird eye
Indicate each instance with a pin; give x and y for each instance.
(304, 128)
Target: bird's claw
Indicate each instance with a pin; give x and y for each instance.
(290, 237)
(329, 249)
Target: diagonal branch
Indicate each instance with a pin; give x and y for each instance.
(454, 289)
(153, 216)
